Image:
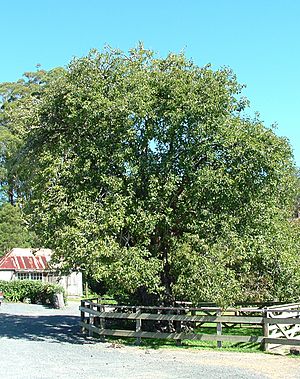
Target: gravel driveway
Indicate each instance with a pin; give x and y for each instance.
(37, 342)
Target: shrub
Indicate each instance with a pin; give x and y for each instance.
(36, 291)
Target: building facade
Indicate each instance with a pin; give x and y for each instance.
(35, 264)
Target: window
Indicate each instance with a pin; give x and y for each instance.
(23, 275)
(30, 276)
(36, 276)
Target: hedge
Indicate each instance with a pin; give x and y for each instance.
(33, 291)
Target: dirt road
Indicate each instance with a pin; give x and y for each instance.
(36, 342)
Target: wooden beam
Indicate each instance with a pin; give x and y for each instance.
(182, 336)
(283, 341)
(287, 321)
(161, 317)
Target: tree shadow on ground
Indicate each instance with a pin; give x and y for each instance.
(56, 328)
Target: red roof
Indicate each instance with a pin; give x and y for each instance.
(26, 259)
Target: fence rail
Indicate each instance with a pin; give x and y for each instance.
(280, 324)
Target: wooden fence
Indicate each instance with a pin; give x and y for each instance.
(279, 324)
(282, 326)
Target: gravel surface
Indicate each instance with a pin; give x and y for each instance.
(38, 342)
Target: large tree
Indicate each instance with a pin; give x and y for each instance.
(145, 174)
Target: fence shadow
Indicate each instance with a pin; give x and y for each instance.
(54, 328)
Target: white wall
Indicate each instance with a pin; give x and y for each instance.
(72, 284)
(6, 275)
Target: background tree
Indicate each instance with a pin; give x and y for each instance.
(13, 232)
(17, 101)
(144, 173)
(297, 201)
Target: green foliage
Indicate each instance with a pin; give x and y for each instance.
(258, 267)
(36, 291)
(297, 200)
(17, 102)
(13, 232)
(144, 173)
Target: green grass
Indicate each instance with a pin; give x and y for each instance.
(102, 300)
(153, 343)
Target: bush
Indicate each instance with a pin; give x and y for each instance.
(36, 291)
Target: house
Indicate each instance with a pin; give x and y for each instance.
(34, 264)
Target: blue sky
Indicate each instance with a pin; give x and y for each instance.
(259, 40)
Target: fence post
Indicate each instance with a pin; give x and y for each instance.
(82, 313)
(138, 326)
(89, 319)
(193, 323)
(102, 322)
(219, 329)
(97, 318)
(266, 330)
(178, 328)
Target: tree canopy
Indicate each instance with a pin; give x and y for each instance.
(145, 173)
